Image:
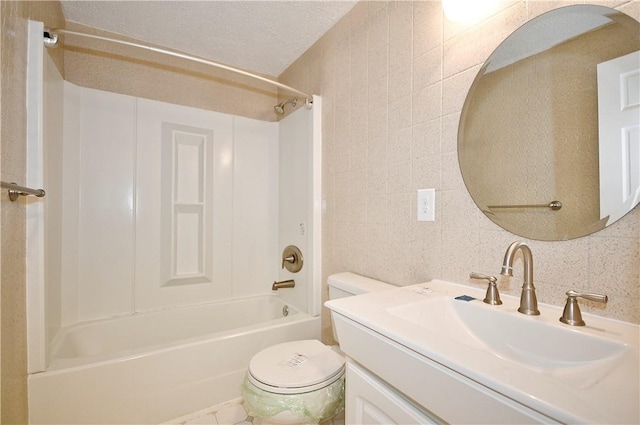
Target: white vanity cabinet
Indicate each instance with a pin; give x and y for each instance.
(388, 383)
(370, 401)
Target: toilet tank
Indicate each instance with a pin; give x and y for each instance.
(347, 284)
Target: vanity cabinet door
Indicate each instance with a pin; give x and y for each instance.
(370, 401)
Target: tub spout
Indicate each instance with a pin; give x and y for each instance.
(284, 284)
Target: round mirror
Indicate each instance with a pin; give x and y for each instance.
(549, 136)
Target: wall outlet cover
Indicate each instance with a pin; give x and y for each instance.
(426, 205)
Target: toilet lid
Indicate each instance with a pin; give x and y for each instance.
(295, 365)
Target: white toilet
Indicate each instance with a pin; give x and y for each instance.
(302, 382)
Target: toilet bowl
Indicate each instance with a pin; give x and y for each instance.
(297, 382)
(302, 382)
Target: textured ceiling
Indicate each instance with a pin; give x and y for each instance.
(259, 36)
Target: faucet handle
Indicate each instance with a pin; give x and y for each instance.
(601, 298)
(476, 275)
(492, 296)
(571, 314)
(292, 259)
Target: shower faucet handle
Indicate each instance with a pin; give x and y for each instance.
(292, 259)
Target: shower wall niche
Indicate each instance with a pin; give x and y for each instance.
(152, 205)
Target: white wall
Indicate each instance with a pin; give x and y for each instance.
(52, 134)
(116, 250)
(295, 183)
(255, 206)
(98, 192)
(178, 259)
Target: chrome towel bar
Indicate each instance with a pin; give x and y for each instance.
(15, 191)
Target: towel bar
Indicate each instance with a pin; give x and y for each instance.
(16, 190)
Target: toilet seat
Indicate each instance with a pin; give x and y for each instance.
(295, 367)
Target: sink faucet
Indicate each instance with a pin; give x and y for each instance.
(528, 301)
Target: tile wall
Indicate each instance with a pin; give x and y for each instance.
(394, 76)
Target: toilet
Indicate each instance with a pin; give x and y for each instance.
(302, 382)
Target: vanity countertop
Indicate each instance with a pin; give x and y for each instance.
(598, 384)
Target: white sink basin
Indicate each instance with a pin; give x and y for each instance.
(572, 374)
(508, 334)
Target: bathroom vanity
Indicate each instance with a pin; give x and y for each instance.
(435, 353)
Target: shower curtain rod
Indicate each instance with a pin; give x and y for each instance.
(51, 40)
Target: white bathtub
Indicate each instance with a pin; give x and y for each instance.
(151, 367)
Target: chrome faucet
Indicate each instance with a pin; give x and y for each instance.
(528, 300)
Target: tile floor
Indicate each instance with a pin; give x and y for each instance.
(229, 413)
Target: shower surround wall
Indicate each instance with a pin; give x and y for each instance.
(394, 77)
(155, 211)
(155, 206)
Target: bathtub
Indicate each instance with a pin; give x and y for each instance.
(151, 367)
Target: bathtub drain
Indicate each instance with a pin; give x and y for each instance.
(285, 310)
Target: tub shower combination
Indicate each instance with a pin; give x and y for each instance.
(151, 367)
(155, 362)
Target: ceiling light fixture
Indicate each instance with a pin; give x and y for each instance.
(469, 11)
